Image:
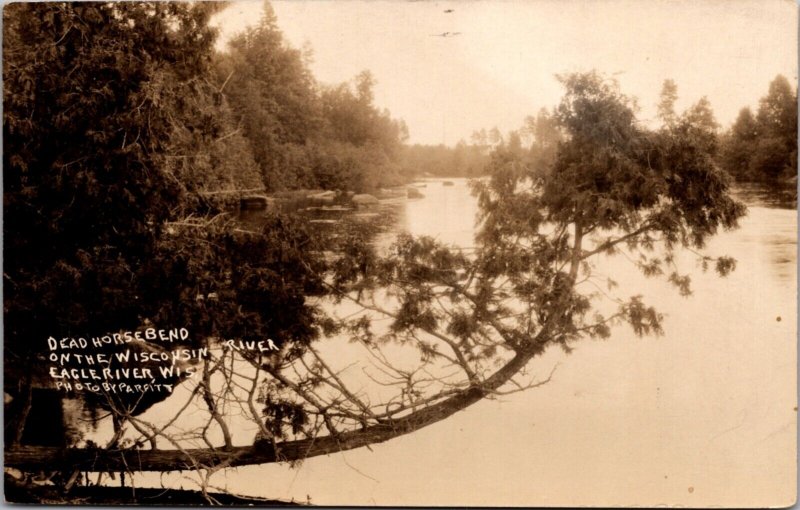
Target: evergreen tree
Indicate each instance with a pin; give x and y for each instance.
(764, 147)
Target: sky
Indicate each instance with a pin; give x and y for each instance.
(502, 64)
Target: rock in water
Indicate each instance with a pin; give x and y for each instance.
(414, 193)
(256, 202)
(364, 199)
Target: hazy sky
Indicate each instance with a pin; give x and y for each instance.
(501, 66)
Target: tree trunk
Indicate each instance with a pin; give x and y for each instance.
(21, 419)
(132, 460)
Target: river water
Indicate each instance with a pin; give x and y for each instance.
(703, 415)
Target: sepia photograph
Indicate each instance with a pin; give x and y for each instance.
(506, 253)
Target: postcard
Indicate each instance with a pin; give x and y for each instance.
(398, 253)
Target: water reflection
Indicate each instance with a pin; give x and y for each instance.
(448, 212)
(378, 223)
(769, 231)
(778, 196)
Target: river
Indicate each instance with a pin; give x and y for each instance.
(703, 415)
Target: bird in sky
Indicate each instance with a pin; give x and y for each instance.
(448, 11)
(446, 34)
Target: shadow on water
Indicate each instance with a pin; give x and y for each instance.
(771, 224)
(376, 223)
(771, 196)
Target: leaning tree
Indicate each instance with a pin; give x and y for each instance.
(463, 322)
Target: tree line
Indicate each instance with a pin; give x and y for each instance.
(760, 147)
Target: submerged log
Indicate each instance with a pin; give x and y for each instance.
(325, 195)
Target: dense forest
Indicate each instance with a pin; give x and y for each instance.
(302, 134)
(122, 122)
(442, 161)
(763, 146)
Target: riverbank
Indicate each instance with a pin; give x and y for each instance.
(102, 495)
